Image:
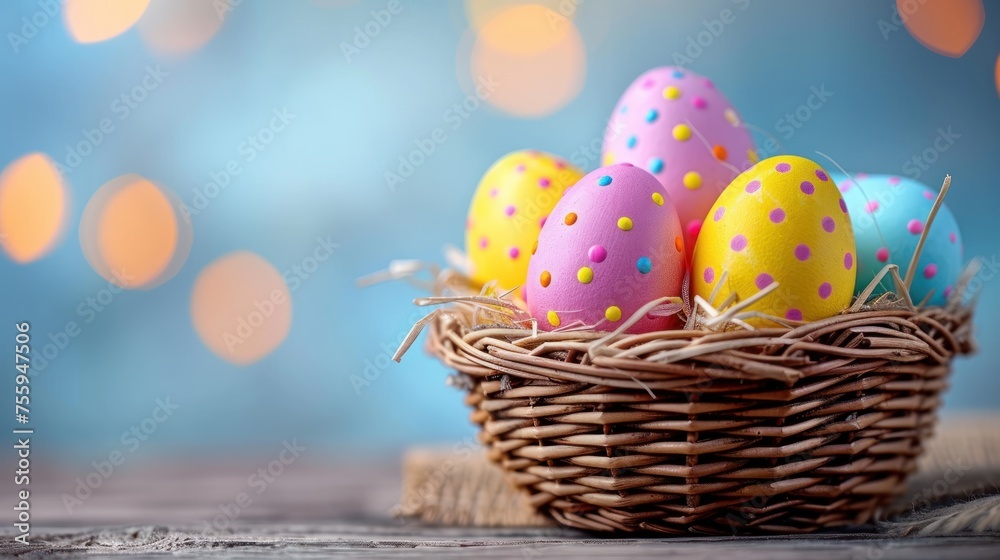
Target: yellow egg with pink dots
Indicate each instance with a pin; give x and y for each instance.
(512, 202)
(782, 222)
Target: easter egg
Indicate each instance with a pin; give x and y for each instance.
(888, 213)
(783, 221)
(511, 203)
(679, 127)
(612, 245)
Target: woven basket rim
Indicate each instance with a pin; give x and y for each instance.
(483, 333)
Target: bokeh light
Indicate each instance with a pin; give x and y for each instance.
(177, 27)
(997, 72)
(92, 21)
(33, 203)
(536, 57)
(241, 307)
(133, 233)
(479, 12)
(947, 27)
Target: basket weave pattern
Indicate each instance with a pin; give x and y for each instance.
(743, 431)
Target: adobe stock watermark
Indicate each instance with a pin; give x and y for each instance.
(131, 440)
(898, 17)
(374, 367)
(987, 272)
(224, 7)
(366, 33)
(256, 484)
(791, 122)
(699, 42)
(30, 25)
(87, 311)
(454, 117)
(915, 167)
(564, 11)
(121, 107)
(247, 151)
(294, 277)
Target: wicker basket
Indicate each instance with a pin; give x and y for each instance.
(778, 430)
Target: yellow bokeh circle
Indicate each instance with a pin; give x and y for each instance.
(93, 21)
(33, 207)
(134, 234)
(241, 307)
(179, 27)
(533, 57)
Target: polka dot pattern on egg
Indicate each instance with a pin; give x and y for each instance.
(553, 318)
(779, 226)
(692, 180)
(644, 265)
(612, 261)
(508, 211)
(889, 214)
(825, 289)
(681, 128)
(597, 253)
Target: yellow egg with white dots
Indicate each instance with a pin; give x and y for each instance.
(782, 221)
(513, 200)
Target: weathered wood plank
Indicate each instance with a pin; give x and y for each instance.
(391, 541)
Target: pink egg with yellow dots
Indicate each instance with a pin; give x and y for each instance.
(612, 244)
(782, 222)
(679, 127)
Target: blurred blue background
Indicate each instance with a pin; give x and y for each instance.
(324, 176)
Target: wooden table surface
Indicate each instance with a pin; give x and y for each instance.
(321, 507)
(383, 539)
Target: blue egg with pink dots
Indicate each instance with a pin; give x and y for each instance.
(888, 213)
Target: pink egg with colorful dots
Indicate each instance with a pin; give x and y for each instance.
(513, 200)
(782, 221)
(679, 127)
(612, 245)
(888, 213)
